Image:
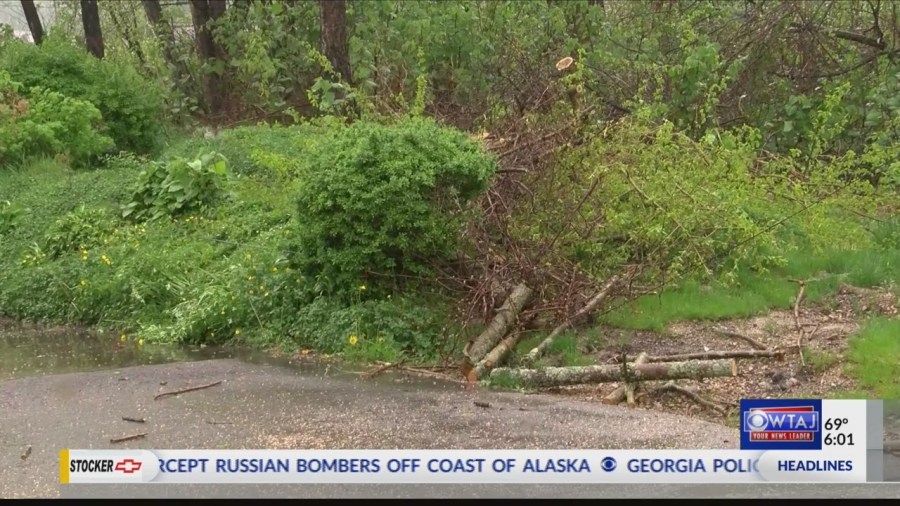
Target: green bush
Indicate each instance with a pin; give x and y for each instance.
(131, 106)
(381, 200)
(180, 185)
(82, 229)
(47, 123)
(10, 216)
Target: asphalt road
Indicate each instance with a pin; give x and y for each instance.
(269, 406)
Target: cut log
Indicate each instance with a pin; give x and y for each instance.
(592, 304)
(560, 376)
(504, 319)
(713, 355)
(495, 357)
(619, 394)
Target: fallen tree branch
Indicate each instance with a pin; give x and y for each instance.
(620, 394)
(560, 376)
(753, 342)
(541, 348)
(128, 438)
(672, 387)
(504, 319)
(495, 357)
(431, 374)
(380, 369)
(186, 390)
(712, 355)
(797, 321)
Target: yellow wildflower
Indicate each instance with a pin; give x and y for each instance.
(123, 337)
(83, 282)
(140, 341)
(352, 340)
(274, 269)
(237, 332)
(362, 288)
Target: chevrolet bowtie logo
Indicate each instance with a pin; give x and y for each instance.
(128, 466)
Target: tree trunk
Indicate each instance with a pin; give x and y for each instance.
(34, 21)
(560, 376)
(203, 12)
(93, 35)
(333, 24)
(504, 319)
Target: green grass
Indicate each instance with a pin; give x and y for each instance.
(758, 293)
(875, 358)
(819, 361)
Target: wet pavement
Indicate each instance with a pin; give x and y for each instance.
(267, 403)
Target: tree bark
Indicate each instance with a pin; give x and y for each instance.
(333, 24)
(495, 357)
(93, 35)
(560, 376)
(34, 21)
(203, 13)
(504, 319)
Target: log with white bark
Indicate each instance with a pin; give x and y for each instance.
(619, 394)
(604, 292)
(504, 319)
(561, 376)
(495, 357)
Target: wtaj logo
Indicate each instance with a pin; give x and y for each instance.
(781, 424)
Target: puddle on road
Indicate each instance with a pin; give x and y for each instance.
(34, 350)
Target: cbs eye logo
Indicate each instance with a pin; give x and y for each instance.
(757, 420)
(608, 464)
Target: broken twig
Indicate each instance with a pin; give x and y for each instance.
(710, 355)
(672, 387)
(135, 420)
(26, 453)
(186, 390)
(753, 342)
(128, 438)
(797, 321)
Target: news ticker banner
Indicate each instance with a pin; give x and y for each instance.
(827, 441)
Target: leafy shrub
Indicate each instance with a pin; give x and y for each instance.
(385, 200)
(47, 123)
(79, 230)
(642, 193)
(179, 185)
(401, 323)
(10, 216)
(131, 107)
